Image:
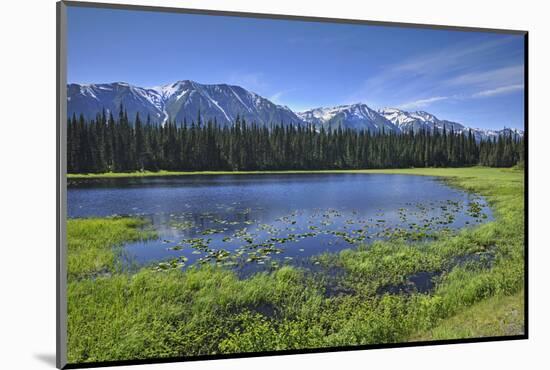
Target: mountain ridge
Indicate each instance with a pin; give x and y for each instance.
(184, 100)
(179, 101)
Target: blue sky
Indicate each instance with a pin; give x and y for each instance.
(471, 77)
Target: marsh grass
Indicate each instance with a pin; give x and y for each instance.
(495, 316)
(459, 172)
(209, 310)
(164, 173)
(92, 244)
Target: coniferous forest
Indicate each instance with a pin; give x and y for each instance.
(121, 145)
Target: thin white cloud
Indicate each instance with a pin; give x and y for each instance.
(506, 75)
(257, 83)
(278, 95)
(276, 98)
(449, 57)
(254, 81)
(422, 102)
(431, 71)
(498, 91)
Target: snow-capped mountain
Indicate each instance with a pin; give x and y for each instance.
(420, 120)
(183, 100)
(90, 99)
(355, 116)
(179, 101)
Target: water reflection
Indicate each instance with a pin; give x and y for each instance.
(256, 221)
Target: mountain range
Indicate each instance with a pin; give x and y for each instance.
(183, 100)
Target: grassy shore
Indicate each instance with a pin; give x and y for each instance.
(209, 310)
(93, 242)
(163, 173)
(494, 316)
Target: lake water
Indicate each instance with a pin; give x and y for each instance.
(253, 222)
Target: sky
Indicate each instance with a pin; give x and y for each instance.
(475, 78)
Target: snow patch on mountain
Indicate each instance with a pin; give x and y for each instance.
(181, 101)
(420, 120)
(356, 116)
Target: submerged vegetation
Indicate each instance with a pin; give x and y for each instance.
(362, 295)
(261, 243)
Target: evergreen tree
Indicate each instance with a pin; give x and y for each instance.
(105, 144)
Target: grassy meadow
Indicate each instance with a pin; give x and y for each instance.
(115, 314)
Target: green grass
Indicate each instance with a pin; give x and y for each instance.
(495, 316)
(161, 173)
(208, 310)
(93, 242)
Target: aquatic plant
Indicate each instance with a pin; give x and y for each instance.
(209, 309)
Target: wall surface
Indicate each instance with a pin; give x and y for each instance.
(27, 155)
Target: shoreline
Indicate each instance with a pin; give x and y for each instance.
(428, 171)
(469, 300)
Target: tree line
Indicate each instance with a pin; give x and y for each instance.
(107, 144)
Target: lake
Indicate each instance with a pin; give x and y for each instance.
(253, 222)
